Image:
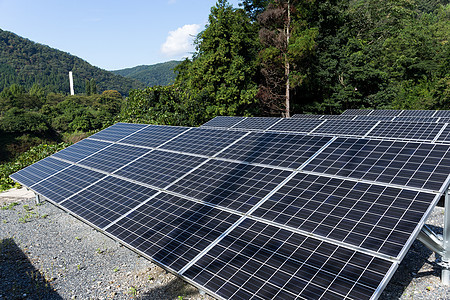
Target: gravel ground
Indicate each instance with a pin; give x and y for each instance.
(47, 254)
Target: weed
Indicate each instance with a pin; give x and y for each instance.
(44, 216)
(133, 291)
(78, 238)
(100, 251)
(26, 207)
(79, 267)
(150, 277)
(116, 269)
(10, 206)
(180, 297)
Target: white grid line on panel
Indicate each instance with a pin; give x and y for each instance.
(440, 133)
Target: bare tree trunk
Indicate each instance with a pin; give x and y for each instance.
(286, 62)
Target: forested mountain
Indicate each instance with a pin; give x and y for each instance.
(25, 63)
(151, 75)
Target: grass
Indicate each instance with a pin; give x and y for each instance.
(10, 206)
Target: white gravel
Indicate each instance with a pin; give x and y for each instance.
(47, 254)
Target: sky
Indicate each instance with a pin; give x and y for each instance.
(111, 34)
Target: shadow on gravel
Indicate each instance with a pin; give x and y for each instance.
(417, 256)
(18, 277)
(174, 289)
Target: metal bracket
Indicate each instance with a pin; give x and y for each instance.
(440, 244)
(38, 199)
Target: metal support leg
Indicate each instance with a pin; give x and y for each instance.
(445, 277)
(38, 199)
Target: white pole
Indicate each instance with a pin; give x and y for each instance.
(71, 83)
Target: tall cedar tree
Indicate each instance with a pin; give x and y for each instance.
(287, 39)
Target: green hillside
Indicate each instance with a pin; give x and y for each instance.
(151, 75)
(25, 62)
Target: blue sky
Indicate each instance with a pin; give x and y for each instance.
(110, 34)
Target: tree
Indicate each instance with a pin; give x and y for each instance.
(287, 39)
(221, 75)
(93, 85)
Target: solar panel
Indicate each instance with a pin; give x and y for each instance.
(227, 210)
(442, 113)
(444, 120)
(223, 122)
(417, 165)
(113, 158)
(81, 150)
(117, 131)
(260, 261)
(358, 112)
(407, 130)
(445, 135)
(159, 168)
(341, 117)
(373, 217)
(256, 123)
(416, 119)
(39, 171)
(282, 150)
(203, 141)
(345, 127)
(153, 135)
(107, 200)
(172, 230)
(373, 118)
(296, 125)
(229, 185)
(387, 112)
(306, 116)
(418, 113)
(66, 183)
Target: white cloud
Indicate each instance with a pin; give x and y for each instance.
(180, 41)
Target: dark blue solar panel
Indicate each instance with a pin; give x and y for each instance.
(418, 113)
(203, 141)
(445, 135)
(358, 112)
(259, 261)
(256, 123)
(172, 230)
(159, 168)
(154, 135)
(373, 118)
(345, 127)
(114, 157)
(223, 122)
(117, 131)
(38, 171)
(296, 125)
(416, 119)
(107, 200)
(306, 116)
(387, 112)
(406, 130)
(64, 184)
(282, 150)
(403, 163)
(374, 217)
(231, 185)
(81, 150)
(442, 113)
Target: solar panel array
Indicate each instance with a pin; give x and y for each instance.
(252, 212)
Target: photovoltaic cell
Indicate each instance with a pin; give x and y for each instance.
(282, 150)
(259, 261)
(114, 157)
(333, 117)
(296, 125)
(256, 123)
(38, 171)
(445, 135)
(81, 150)
(306, 116)
(416, 119)
(387, 112)
(154, 135)
(406, 130)
(159, 168)
(442, 113)
(444, 120)
(107, 200)
(172, 230)
(117, 131)
(373, 118)
(418, 113)
(418, 165)
(223, 122)
(345, 127)
(203, 141)
(64, 184)
(373, 217)
(231, 185)
(358, 112)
